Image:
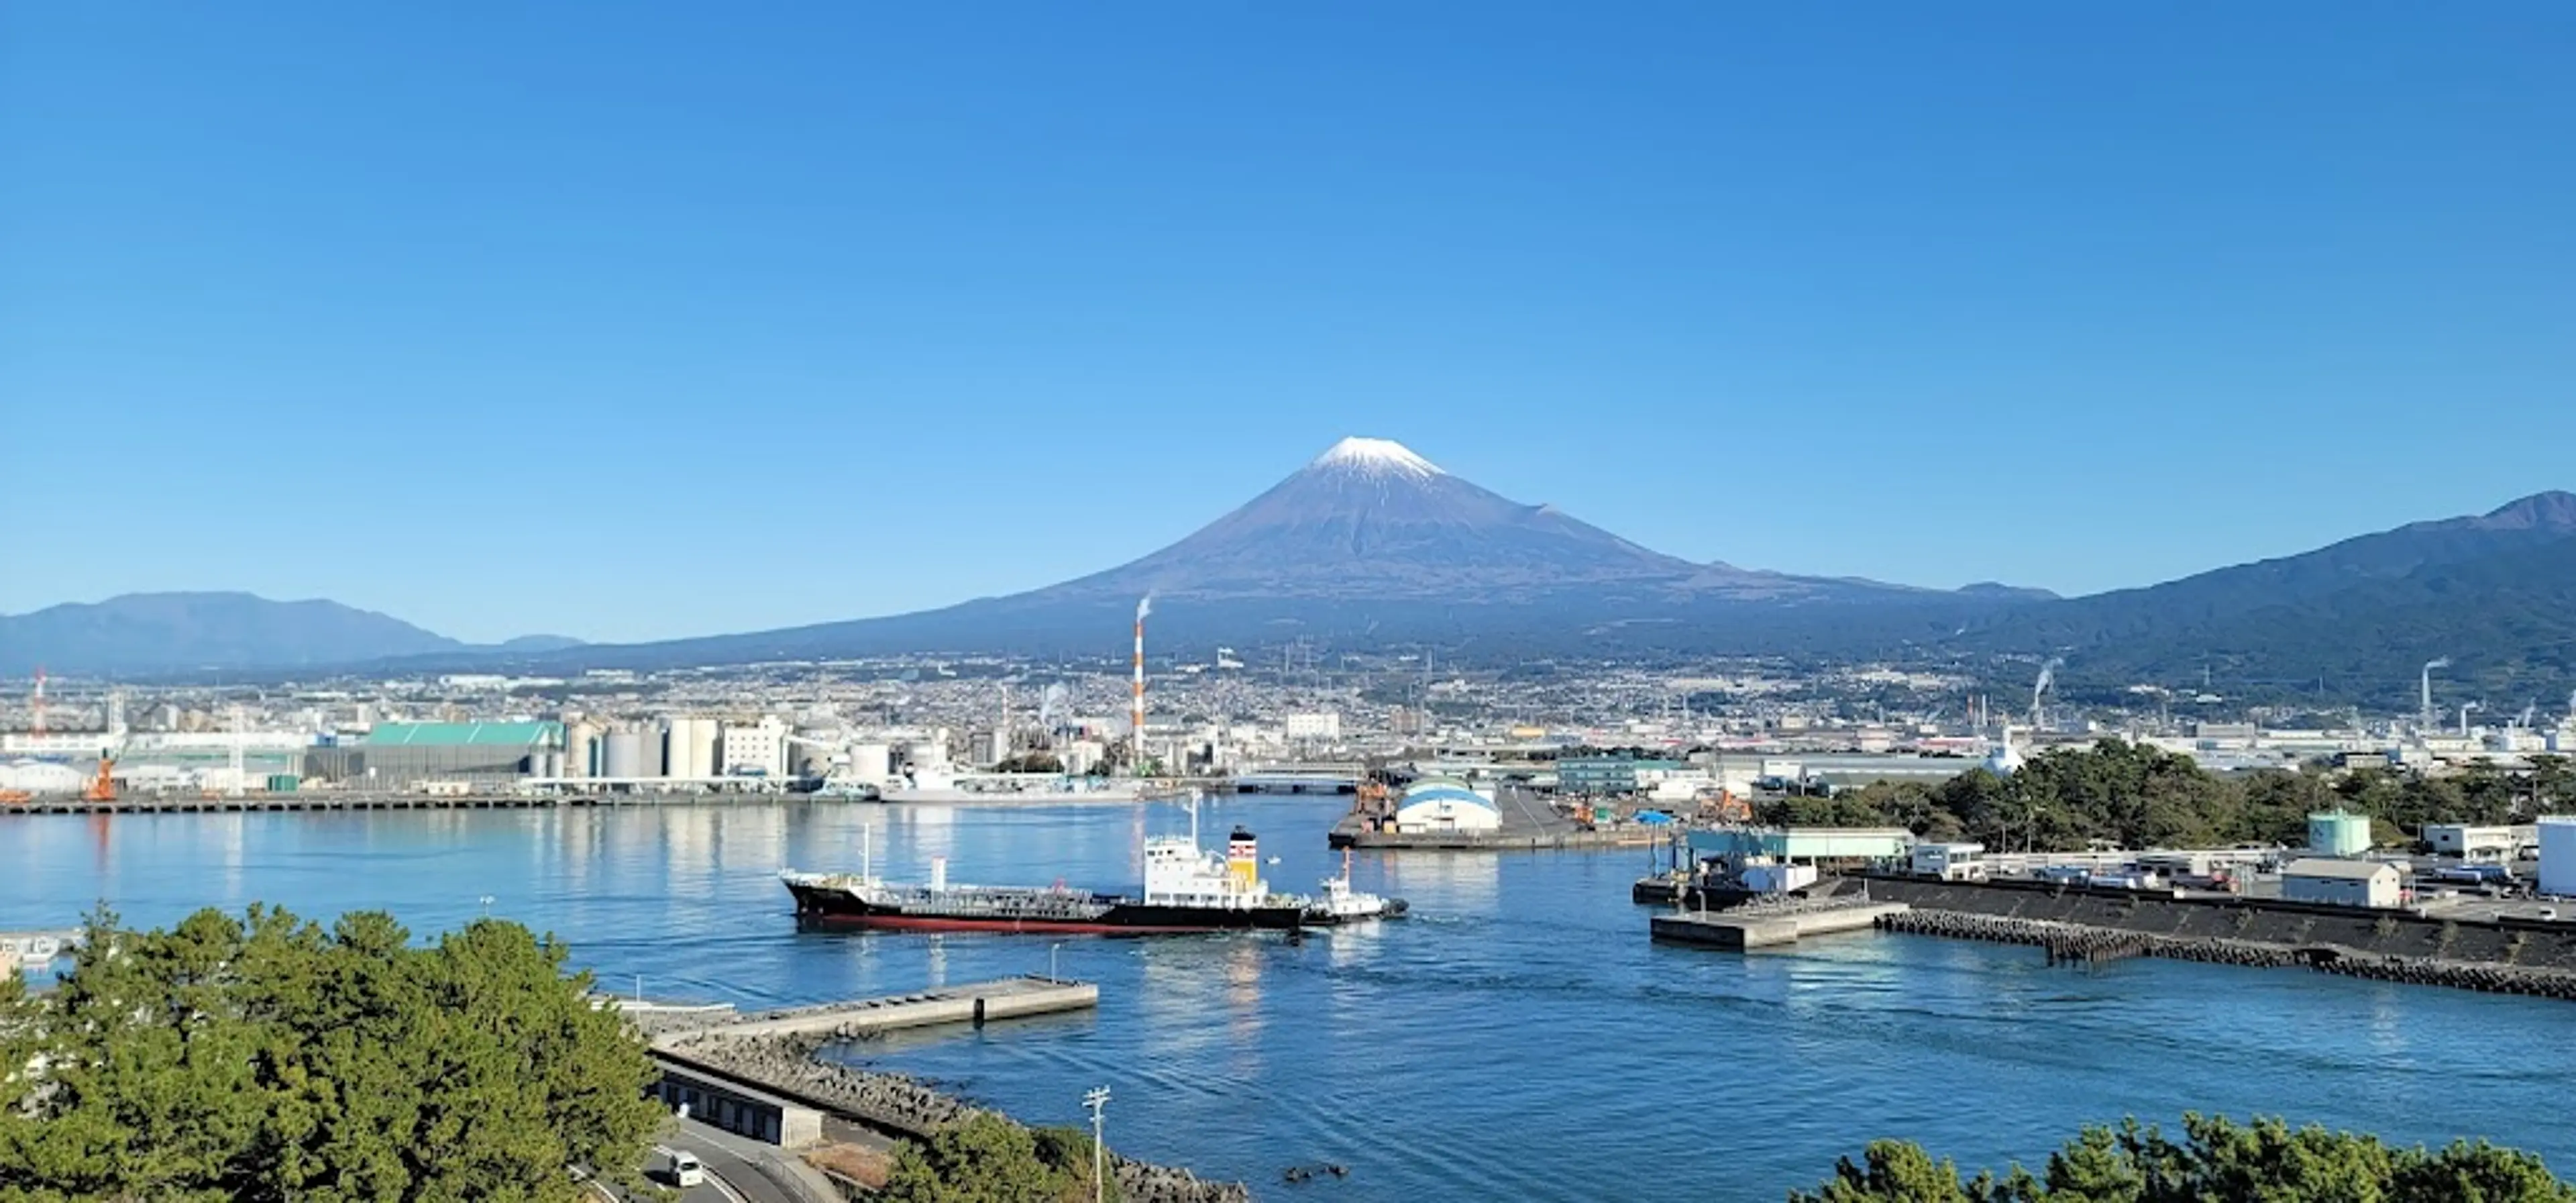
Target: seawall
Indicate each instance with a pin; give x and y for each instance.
(2077, 923)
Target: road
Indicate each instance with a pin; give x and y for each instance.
(731, 1176)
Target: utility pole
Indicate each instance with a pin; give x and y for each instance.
(1097, 1098)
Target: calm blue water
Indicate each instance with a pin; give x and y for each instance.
(1517, 1038)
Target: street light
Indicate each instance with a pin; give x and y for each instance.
(487, 906)
(1096, 1098)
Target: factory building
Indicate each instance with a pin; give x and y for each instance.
(2558, 856)
(2470, 841)
(751, 749)
(399, 756)
(1853, 845)
(1444, 804)
(2340, 882)
(1601, 776)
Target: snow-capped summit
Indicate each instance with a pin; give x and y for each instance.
(1375, 456)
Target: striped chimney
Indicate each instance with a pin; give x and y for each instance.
(1136, 716)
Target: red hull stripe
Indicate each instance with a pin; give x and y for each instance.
(915, 923)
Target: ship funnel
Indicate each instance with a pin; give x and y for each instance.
(1243, 861)
(938, 874)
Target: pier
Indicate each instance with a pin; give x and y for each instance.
(1009, 998)
(1755, 926)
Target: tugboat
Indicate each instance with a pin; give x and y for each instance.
(1341, 904)
(1186, 891)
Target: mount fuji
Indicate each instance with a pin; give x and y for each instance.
(1373, 541)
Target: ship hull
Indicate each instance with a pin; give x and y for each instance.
(824, 907)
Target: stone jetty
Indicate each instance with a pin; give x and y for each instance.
(2079, 944)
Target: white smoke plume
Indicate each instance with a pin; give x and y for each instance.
(1144, 606)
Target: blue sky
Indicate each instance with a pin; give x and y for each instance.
(631, 321)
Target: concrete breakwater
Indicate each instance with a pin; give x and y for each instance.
(898, 1104)
(2528, 943)
(2070, 943)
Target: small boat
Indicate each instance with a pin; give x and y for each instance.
(1340, 904)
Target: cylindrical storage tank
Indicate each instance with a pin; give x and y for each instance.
(2558, 854)
(625, 757)
(581, 750)
(693, 747)
(871, 762)
(2335, 833)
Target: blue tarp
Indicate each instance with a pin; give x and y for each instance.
(1653, 816)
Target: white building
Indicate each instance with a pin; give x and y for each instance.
(2340, 882)
(1326, 725)
(2558, 856)
(1949, 862)
(753, 749)
(1444, 804)
(2471, 842)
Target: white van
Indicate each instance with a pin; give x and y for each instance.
(676, 1167)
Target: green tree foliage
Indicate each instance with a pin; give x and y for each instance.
(2216, 1160)
(267, 1058)
(2137, 796)
(989, 1159)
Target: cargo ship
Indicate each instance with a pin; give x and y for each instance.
(1186, 891)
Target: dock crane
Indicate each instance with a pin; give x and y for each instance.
(102, 788)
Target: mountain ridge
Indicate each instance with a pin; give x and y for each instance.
(180, 630)
(1371, 542)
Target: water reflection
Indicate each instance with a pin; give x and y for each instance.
(1521, 1003)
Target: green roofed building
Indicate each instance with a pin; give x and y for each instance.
(401, 756)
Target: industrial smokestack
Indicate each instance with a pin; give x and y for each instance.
(1136, 715)
(2424, 718)
(2047, 677)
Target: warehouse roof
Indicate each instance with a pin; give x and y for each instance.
(516, 735)
(2318, 866)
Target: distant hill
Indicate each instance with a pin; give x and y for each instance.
(161, 633)
(2495, 591)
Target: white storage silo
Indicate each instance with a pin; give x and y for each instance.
(2558, 855)
(632, 753)
(582, 750)
(693, 744)
(871, 763)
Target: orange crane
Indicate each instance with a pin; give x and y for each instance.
(102, 788)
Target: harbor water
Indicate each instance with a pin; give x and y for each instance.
(1516, 1037)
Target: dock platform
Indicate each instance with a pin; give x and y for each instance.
(981, 1002)
(1740, 931)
